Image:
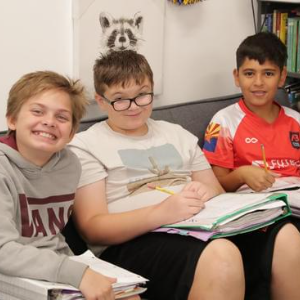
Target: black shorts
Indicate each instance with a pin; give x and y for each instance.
(167, 260)
(257, 251)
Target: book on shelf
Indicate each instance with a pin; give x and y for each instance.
(17, 288)
(275, 21)
(233, 213)
(285, 24)
(289, 44)
(297, 67)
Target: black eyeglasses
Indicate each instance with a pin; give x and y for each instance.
(124, 104)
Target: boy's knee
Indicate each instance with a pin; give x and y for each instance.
(288, 235)
(224, 249)
(223, 266)
(223, 256)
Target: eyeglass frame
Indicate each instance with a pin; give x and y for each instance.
(130, 99)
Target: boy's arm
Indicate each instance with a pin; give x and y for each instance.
(99, 226)
(255, 177)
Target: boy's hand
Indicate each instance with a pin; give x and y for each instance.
(95, 286)
(257, 178)
(205, 192)
(180, 207)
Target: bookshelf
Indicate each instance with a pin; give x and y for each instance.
(283, 19)
(270, 10)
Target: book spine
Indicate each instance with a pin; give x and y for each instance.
(269, 22)
(289, 44)
(278, 20)
(294, 44)
(274, 21)
(283, 26)
(298, 47)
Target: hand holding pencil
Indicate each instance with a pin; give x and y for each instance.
(177, 206)
(257, 178)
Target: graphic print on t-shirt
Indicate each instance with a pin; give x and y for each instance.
(160, 161)
(44, 216)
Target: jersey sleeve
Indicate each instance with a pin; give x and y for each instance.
(218, 143)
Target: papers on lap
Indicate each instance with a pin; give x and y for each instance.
(16, 288)
(280, 184)
(233, 213)
(290, 186)
(294, 201)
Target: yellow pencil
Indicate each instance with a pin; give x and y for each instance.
(156, 187)
(164, 190)
(264, 157)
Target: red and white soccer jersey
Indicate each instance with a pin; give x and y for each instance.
(235, 135)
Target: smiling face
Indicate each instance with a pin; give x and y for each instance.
(133, 120)
(43, 126)
(259, 82)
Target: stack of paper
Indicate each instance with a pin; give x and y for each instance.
(16, 288)
(293, 197)
(288, 185)
(280, 184)
(233, 213)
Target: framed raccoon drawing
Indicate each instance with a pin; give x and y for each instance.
(103, 25)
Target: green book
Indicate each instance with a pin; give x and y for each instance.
(290, 24)
(235, 213)
(294, 43)
(298, 48)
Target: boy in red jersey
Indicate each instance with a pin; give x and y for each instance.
(234, 139)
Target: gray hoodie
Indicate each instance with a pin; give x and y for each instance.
(35, 203)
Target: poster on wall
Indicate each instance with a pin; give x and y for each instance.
(103, 25)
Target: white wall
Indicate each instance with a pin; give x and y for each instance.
(200, 42)
(34, 35)
(200, 45)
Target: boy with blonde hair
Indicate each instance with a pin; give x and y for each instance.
(38, 180)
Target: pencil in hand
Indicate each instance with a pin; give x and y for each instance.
(158, 188)
(264, 157)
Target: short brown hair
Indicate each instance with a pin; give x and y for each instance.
(119, 67)
(35, 83)
(262, 46)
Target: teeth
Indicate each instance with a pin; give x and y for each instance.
(259, 93)
(46, 135)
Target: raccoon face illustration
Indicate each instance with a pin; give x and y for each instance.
(121, 34)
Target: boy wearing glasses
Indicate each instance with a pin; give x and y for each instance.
(116, 210)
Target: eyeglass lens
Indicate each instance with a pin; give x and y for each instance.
(141, 100)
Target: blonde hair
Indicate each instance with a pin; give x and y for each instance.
(35, 83)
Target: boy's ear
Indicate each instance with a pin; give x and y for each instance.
(283, 76)
(236, 77)
(11, 123)
(99, 101)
